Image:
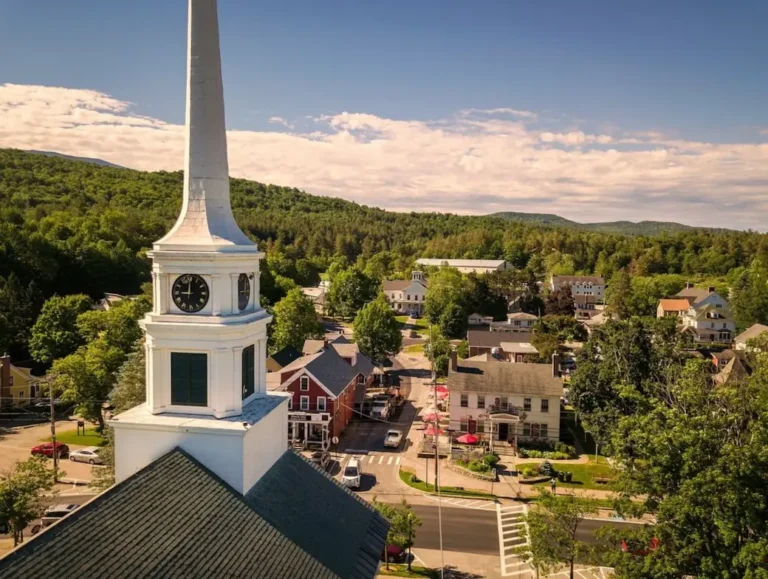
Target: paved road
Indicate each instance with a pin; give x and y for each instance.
(467, 530)
(586, 530)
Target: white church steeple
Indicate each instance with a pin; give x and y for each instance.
(206, 221)
(206, 336)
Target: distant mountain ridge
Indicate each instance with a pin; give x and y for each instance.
(620, 227)
(100, 162)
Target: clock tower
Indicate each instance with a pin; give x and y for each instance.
(206, 338)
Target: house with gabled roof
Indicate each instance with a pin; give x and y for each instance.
(406, 296)
(322, 388)
(741, 342)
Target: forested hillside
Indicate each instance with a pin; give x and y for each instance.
(620, 227)
(70, 227)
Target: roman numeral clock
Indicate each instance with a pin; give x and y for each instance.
(190, 293)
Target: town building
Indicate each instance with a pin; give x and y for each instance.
(708, 318)
(467, 265)
(515, 322)
(589, 285)
(673, 308)
(205, 483)
(318, 297)
(740, 342)
(323, 387)
(18, 386)
(505, 403)
(406, 296)
(479, 320)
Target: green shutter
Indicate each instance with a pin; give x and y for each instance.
(249, 373)
(189, 379)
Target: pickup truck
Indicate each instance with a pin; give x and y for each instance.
(381, 408)
(393, 438)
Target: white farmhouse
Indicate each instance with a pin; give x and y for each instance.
(505, 403)
(708, 318)
(467, 265)
(581, 285)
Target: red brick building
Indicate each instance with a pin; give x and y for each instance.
(323, 387)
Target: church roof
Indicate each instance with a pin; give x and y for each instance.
(177, 519)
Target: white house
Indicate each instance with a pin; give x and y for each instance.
(740, 341)
(708, 318)
(581, 285)
(406, 296)
(516, 322)
(467, 265)
(504, 403)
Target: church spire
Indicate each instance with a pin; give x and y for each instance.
(206, 222)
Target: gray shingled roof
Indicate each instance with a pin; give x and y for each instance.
(752, 332)
(347, 536)
(505, 378)
(328, 367)
(177, 519)
(488, 339)
(286, 356)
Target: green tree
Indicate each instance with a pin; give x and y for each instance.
(447, 287)
(453, 321)
(377, 331)
(750, 296)
(403, 524)
(295, 321)
(55, 333)
(560, 302)
(619, 295)
(131, 385)
(22, 498)
(18, 308)
(463, 349)
(437, 350)
(552, 525)
(350, 290)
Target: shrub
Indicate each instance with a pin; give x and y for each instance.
(551, 455)
(529, 472)
(479, 466)
(414, 479)
(491, 460)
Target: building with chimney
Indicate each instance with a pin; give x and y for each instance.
(205, 483)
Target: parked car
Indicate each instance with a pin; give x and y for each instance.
(89, 455)
(62, 450)
(321, 458)
(393, 438)
(395, 554)
(56, 512)
(352, 473)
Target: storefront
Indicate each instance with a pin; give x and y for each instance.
(309, 429)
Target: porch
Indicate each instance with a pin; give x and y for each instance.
(309, 429)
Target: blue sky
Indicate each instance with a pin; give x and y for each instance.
(690, 70)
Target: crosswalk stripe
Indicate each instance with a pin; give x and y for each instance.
(381, 459)
(390, 460)
(398, 460)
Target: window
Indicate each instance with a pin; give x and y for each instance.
(304, 403)
(463, 425)
(33, 391)
(480, 401)
(464, 400)
(304, 383)
(290, 403)
(480, 427)
(543, 430)
(545, 405)
(409, 297)
(526, 429)
(189, 379)
(360, 379)
(321, 403)
(503, 402)
(527, 404)
(517, 322)
(535, 430)
(249, 373)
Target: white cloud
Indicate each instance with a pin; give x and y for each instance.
(472, 162)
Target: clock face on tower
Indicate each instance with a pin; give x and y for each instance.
(243, 291)
(190, 293)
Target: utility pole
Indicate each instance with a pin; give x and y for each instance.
(54, 452)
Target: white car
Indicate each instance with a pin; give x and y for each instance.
(393, 438)
(352, 473)
(89, 455)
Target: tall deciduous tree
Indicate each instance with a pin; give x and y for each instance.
(131, 384)
(437, 349)
(377, 331)
(560, 302)
(453, 321)
(619, 295)
(21, 495)
(295, 321)
(447, 287)
(750, 296)
(350, 290)
(403, 524)
(55, 333)
(552, 525)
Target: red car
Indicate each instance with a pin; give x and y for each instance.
(62, 450)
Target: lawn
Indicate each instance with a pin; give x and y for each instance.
(583, 474)
(91, 438)
(401, 570)
(420, 324)
(405, 476)
(414, 349)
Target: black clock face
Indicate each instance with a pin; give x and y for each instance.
(190, 293)
(243, 291)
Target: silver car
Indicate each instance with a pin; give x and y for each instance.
(89, 455)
